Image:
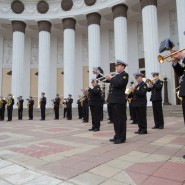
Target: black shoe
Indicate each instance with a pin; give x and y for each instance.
(119, 141)
(143, 132)
(155, 127)
(161, 127)
(137, 132)
(96, 129)
(184, 156)
(112, 140)
(91, 129)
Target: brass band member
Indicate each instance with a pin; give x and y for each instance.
(30, 105)
(80, 108)
(85, 107)
(2, 108)
(43, 106)
(140, 103)
(95, 104)
(117, 100)
(180, 71)
(10, 103)
(65, 107)
(20, 107)
(56, 103)
(155, 87)
(69, 107)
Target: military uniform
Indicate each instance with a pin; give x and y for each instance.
(69, 108)
(43, 101)
(10, 104)
(56, 107)
(30, 108)
(65, 108)
(80, 108)
(139, 104)
(20, 108)
(180, 71)
(156, 98)
(95, 106)
(132, 109)
(85, 108)
(3, 109)
(117, 100)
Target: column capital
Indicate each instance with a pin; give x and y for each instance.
(120, 10)
(148, 2)
(69, 23)
(18, 26)
(44, 26)
(93, 18)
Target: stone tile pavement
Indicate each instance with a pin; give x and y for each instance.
(65, 153)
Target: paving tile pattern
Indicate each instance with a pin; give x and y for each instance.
(61, 152)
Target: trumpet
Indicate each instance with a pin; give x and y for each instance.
(161, 59)
(151, 81)
(103, 76)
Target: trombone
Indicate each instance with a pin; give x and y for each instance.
(161, 59)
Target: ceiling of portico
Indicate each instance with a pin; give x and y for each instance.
(134, 13)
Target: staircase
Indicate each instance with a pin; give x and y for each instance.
(168, 111)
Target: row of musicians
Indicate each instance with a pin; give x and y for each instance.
(9, 102)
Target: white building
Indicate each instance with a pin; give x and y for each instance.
(55, 43)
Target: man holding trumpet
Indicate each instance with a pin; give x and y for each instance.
(117, 100)
(155, 87)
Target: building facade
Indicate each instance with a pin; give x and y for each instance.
(51, 46)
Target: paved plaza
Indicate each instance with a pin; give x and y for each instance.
(63, 152)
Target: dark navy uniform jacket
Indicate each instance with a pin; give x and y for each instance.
(156, 91)
(117, 88)
(180, 71)
(139, 95)
(95, 96)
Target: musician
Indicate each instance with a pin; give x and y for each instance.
(56, 103)
(140, 103)
(80, 108)
(85, 107)
(155, 87)
(30, 107)
(20, 107)
(117, 100)
(69, 107)
(95, 104)
(131, 107)
(65, 107)
(109, 109)
(43, 102)
(10, 103)
(101, 108)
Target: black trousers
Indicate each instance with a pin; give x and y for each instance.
(43, 116)
(80, 112)
(183, 107)
(119, 120)
(69, 113)
(9, 114)
(30, 113)
(101, 112)
(57, 113)
(158, 114)
(110, 112)
(65, 111)
(141, 118)
(20, 113)
(95, 112)
(86, 114)
(132, 113)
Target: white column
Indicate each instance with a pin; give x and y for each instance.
(120, 32)
(93, 20)
(1, 62)
(180, 19)
(44, 60)
(150, 35)
(18, 58)
(69, 56)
